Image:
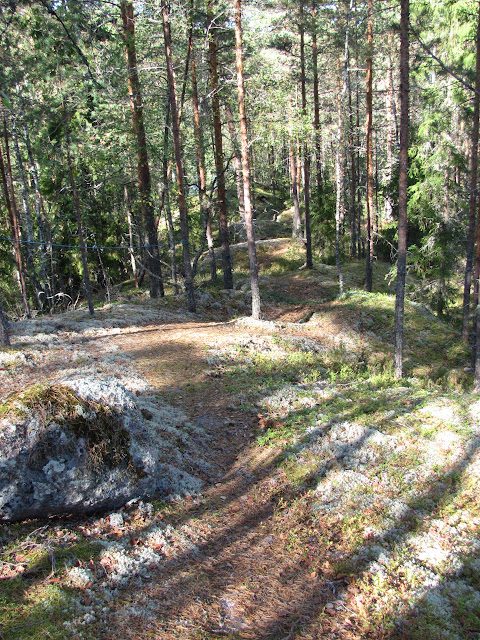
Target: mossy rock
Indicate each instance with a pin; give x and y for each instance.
(107, 442)
(76, 446)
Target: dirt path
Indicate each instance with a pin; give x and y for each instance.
(242, 562)
(247, 579)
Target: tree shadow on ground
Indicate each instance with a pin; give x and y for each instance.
(253, 574)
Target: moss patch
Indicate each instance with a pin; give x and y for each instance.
(107, 442)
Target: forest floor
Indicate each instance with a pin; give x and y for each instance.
(338, 502)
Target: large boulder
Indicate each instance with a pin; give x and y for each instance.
(78, 446)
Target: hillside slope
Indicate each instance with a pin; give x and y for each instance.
(337, 501)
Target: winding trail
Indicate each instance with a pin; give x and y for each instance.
(244, 581)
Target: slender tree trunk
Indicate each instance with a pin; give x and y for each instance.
(306, 151)
(339, 187)
(9, 198)
(177, 146)
(130, 234)
(353, 171)
(237, 165)
(83, 249)
(476, 324)
(4, 337)
(339, 161)
(316, 105)
(297, 221)
(27, 222)
(391, 130)
(166, 167)
(202, 178)
(402, 187)
(369, 132)
(273, 171)
(219, 164)
(473, 193)
(252, 254)
(39, 211)
(144, 179)
(27, 216)
(391, 91)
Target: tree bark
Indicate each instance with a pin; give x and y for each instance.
(402, 187)
(27, 222)
(339, 159)
(473, 194)
(83, 249)
(252, 254)
(177, 146)
(219, 164)
(237, 165)
(144, 179)
(391, 129)
(166, 168)
(9, 198)
(130, 234)
(297, 221)
(46, 252)
(353, 176)
(306, 151)
(476, 323)
(202, 177)
(369, 132)
(316, 105)
(4, 337)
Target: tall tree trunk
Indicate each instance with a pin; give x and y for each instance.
(391, 130)
(166, 168)
(252, 254)
(10, 200)
(27, 222)
(297, 221)
(339, 187)
(4, 337)
(316, 104)
(402, 187)
(360, 244)
(177, 146)
(273, 170)
(369, 132)
(219, 164)
(473, 193)
(339, 160)
(83, 249)
(144, 179)
(130, 234)
(48, 286)
(477, 261)
(202, 178)
(237, 165)
(353, 170)
(306, 151)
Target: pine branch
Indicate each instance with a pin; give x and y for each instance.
(53, 13)
(448, 70)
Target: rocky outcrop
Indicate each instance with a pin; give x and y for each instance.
(78, 446)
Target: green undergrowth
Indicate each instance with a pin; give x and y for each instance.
(405, 534)
(35, 599)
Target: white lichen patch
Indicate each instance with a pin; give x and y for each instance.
(442, 411)
(79, 577)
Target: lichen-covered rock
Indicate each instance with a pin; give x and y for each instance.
(82, 445)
